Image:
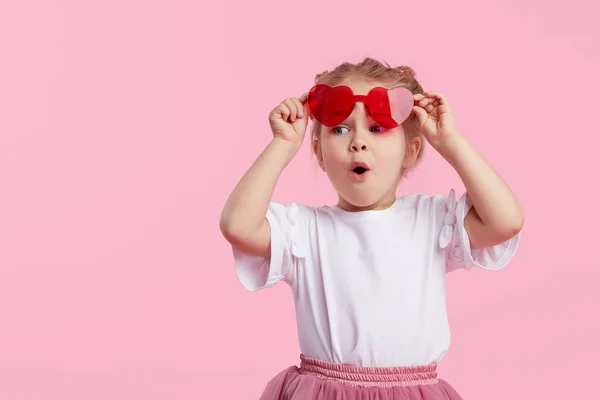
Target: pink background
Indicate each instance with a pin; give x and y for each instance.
(124, 125)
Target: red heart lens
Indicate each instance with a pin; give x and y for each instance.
(332, 105)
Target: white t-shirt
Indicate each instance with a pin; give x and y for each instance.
(369, 287)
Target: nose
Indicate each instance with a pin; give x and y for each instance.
(359, 138)
(358, 143)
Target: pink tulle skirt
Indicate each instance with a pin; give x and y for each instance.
(320, 380)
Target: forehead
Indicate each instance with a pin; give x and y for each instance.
(361, 85)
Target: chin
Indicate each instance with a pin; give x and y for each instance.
(362, 195)
(363, 199)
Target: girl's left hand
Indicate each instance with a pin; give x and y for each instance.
(436, 119)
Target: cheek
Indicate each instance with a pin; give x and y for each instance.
(391, 152)
(334, 152)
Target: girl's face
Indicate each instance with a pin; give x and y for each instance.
(363, 160)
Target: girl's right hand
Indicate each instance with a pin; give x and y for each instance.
(289, 119)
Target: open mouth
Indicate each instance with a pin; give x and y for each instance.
(360, 170)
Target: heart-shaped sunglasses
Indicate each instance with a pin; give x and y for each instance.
(387, 107)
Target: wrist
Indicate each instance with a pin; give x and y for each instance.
(451, 146)
(285, 147)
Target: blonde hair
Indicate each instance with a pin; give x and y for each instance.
(373, 70)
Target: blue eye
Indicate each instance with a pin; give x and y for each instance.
(377, 129)
(337, 129)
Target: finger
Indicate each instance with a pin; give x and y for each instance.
(421, 115)
(303, 98)
(441, 102)
(444, 108)
(284, 111)
(438, 96)
(425, 101)
(292, 107)
(299, 107)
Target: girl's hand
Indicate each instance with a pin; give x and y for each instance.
(435, 118)
(289, 119)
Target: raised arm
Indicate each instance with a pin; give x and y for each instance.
(496, 215)
(243, 219)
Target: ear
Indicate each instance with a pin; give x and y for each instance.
(316, 144)
(412, 151)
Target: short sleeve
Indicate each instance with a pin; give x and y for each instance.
(455, 240)
(287, 224)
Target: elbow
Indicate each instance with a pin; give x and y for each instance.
(513, 227)
(517, 222)
(226, 229)
(519, 225)
(233, 232)
(507, 229)
(513, 222)
(225, 226)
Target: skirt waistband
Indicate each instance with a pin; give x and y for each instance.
(370, 376)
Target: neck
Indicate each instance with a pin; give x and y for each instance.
(381, 204)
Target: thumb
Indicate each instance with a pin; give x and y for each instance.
(421, 115)
(303, 98)
(301, 123)
(306, 111)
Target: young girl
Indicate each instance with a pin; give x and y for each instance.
(368, 274)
